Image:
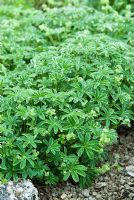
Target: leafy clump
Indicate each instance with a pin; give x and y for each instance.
(66, 83)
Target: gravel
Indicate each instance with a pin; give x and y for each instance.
(118, 184)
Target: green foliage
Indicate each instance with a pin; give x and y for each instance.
(119, 5)
(66, 83)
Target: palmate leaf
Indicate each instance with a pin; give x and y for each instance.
(75, 172)
(81, 169)
(53, 146)
(71, 167)
(54, 124)
(109, 116)
(78, 170)
(87, 146)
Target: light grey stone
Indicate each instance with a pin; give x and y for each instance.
(100, 185)
(23, 190)
(63, 196)
(91, 198)
(98, 196)
(130, 170)
(85, 192)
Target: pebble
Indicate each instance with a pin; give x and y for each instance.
(100, 185)
(91, 198)
(94, 193)
(98, 196)
(85, 192)
(63, 196)
(122, 181)
(130, 170)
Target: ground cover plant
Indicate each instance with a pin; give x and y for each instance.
(66, 84)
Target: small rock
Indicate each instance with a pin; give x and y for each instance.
(126, 158)
(85, 192)
(63, 196)
(70, 195)
(80, 195)
(100, 185)
(131, 184)
(91, 198)
(54, 194)
(122, 181)
(130, 170)
(23, 190)
(98, 196)
(127, 187)
(94, 193)
(130, 173)
(131, 196)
